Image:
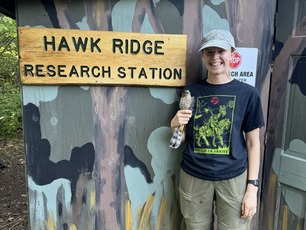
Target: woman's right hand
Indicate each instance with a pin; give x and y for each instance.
(182, 117)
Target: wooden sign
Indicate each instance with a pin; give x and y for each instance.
(58, 56)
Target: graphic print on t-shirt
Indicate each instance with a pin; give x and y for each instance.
(213, 121)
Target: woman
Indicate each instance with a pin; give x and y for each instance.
(220, 165)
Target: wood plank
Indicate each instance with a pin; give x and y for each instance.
(59, 56)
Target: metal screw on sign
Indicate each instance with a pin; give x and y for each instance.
(236, 60)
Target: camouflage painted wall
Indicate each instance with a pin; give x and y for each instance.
(98, 157)
(284, 199)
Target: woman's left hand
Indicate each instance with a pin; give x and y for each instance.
(249, 202)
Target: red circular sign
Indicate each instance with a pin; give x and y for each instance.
(236, 60)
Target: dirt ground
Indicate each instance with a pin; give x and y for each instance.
(13, 193)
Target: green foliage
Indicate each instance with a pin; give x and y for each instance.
(8, 49)
(10, 111)
(10, 101)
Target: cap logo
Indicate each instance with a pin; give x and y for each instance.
(212, 36)
(216, 36)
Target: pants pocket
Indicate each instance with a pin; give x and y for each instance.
(185, 201)
(193, 207)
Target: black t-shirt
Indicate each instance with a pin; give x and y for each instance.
(215, 143)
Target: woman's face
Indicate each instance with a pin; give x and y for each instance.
(217, 60)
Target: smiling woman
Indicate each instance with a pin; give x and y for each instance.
(222, 149)
(217, 62)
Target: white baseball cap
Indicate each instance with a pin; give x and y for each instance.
(218, 38)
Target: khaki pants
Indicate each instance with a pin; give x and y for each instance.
(199, 198)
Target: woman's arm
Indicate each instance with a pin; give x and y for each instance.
(249, 203)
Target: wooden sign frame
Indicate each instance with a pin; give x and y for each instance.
(82, 57)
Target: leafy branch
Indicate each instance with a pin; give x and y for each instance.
(10, 106)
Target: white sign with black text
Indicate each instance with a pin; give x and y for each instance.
(244, 65)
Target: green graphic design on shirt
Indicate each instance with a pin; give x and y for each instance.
(213, 121)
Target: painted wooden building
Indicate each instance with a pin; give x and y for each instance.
(97, 156)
